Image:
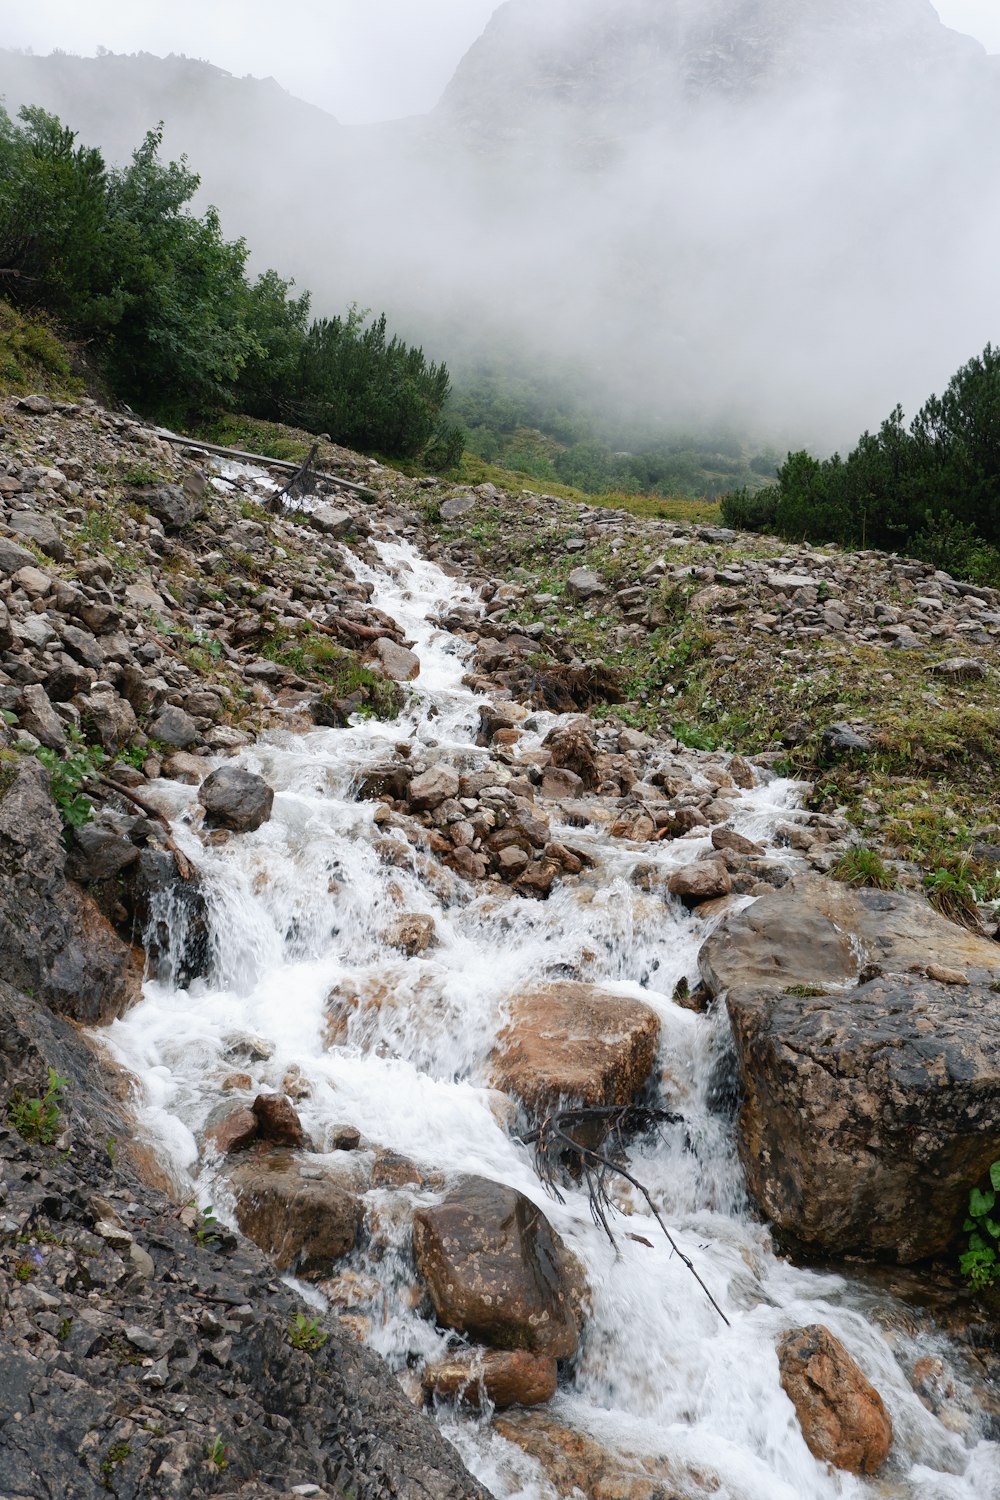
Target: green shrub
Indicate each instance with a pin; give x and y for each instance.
(749, 510)
(38, 1119)
(980, 1264)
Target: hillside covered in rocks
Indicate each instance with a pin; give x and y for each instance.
(597, 783)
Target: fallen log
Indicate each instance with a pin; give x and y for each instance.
(238, 455)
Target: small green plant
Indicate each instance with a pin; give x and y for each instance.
(202, 1222)
(980, 1264)
(950, 889)
(117, 1454)
(218, 1453)
(65, 1325)
(68, 773)
(38, 1119)
(24, 1270)
(804, 991)
(863, 867)
(140, 474)
(305, 1333)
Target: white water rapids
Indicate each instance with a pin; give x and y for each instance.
(298, 907)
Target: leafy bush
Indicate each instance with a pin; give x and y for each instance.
(164, 300)
(749, 510)
(38, 1119)
(68, 774)
(980, 1263)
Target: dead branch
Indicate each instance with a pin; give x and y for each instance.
(184, 867)
(262, 460)
(297, 482)
(555, 1146)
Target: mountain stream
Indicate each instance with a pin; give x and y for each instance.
(298, 907)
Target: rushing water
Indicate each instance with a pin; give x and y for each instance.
(298, 908)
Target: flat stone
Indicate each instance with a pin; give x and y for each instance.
(458, 505)
(584, 583)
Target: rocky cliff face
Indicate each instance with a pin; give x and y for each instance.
(648, 62)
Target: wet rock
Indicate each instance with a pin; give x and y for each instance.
(98, 853)
(278, 1122)
(558, 783)
(172, 726)
(703, 880)
(842, 1416)
(573, 1044)
(504, 1377)
(235, 799)
(305, 1223)
(170, 916)
(435, 786)
(55, 942)
(235, 1132)
(497, 1271)
(574, 1464)
(395, 661)
(726, 840)
(180, 766)
(412, 933)
(868, 1112)
(391, 780)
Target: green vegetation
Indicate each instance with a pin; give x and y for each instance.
(117, 1454)
(932, 489)
(862, 866)
(68, 773)
(980, 1264)
(306, 1334)
(32, 355)
(163, 301)
(218, 1453)
(37, 1120)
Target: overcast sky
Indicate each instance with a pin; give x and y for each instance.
(361, 59)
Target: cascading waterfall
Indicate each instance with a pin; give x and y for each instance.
(300, 906)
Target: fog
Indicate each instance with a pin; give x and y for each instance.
(772, 215)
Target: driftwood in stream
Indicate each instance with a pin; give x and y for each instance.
(262, 460)
(184, 867)
(298, 482)
(556, 1148)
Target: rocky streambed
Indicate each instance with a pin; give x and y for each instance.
(379, 952)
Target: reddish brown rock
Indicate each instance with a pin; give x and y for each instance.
(504, 1377)
(305, 1224)
(573, 1043)
(575, 1465)
(704, 880)
(278, 1122)
(235, 1133)
(842, 1415)
(496, 1270)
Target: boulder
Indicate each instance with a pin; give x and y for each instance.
(504, 1377)
(842, 739)
(394, 661)
(558, 782)
(575, 1464)
(175, 505)
(961, 669)
(435, 786)
(412, 933)
(458, 505)
(235, 799)
(37, 404)
(172, 726)
(584, 583)
(305, 1223)
(235, 1132)
(871, 1089)
(56, 944)
(842, 1415)
(40, 530)
(571, 748)
(573, 1044)
(703, 880)
(36, 715)
(108, 718)
(13, 557)
(497, 1271)
(171, 917)
(99, 853)
(329, 520)
(277, 1121)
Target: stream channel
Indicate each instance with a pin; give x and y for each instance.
(297, 909)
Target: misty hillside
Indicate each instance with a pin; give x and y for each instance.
(771, 215)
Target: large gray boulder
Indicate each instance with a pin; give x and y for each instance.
(56, 944)
(235, 799)
(869, 1057)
